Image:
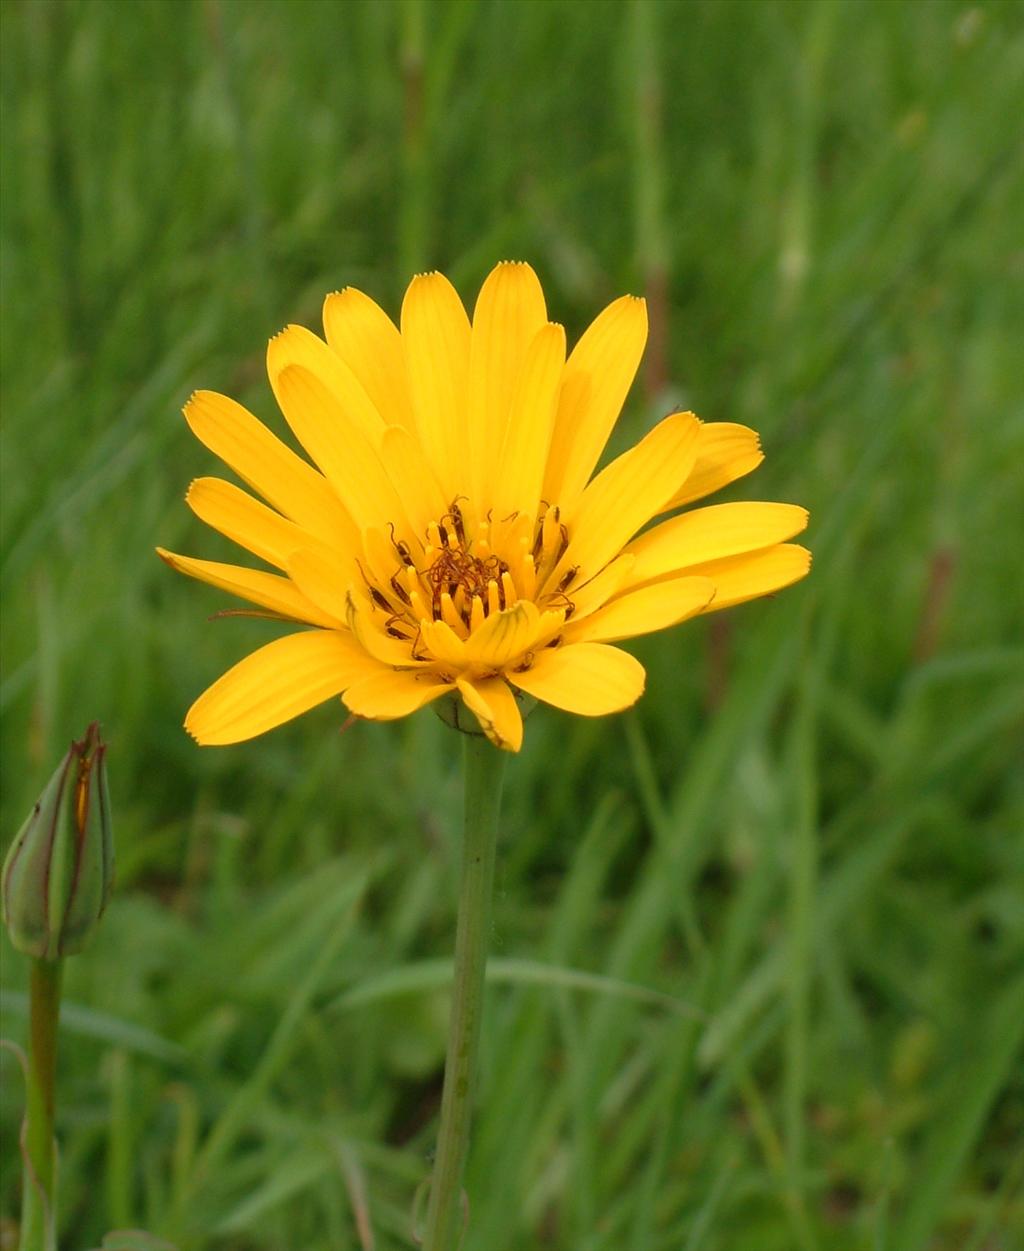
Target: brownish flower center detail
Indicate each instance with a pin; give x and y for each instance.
(457, 575)
(463, 576)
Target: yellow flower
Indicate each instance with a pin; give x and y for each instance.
(451, 537)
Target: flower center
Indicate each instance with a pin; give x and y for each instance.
(461, 574)
(463, 571)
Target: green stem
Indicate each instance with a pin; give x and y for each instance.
(485, 766)
(38, 1206)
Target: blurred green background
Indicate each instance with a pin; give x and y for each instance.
(759, 975)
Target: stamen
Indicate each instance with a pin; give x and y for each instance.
(552, 530)
(380, 555)
(538, 539)
(453, 520)
(419, 608)
(457, 580)
(401, 547)
(527, 577)
(450, 617)
(562, 604)
(554, 541)
(508, 589)
(493, 598)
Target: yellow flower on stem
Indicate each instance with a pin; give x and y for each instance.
(451, 537)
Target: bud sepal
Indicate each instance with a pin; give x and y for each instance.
(59, 871)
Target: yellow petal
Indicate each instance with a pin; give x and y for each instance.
(275, 684)
(322, 578)
(369, 625)
(444, 645)
(435, 339)
(393, 693)
(517, 483)
(503, 637)
(369, 343)
(725, 452)
(342, 451)
(297, 346)
(549, 627)
(413, 478)
(252, 525)
(651, 608)
(509, 312)
(591, 679)
(627, 493)
(268, 466)
(269, 590)
(712, 533)
(589, 596)
(495, 707)
(739, 578)
(598, 375)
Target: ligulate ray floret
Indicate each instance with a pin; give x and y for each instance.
(450, 536)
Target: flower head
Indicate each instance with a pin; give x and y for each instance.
(452, 537)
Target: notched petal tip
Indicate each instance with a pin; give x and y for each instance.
(280, 340)
(196, 407)
(345, 296)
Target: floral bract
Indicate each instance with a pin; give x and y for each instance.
(452, 536)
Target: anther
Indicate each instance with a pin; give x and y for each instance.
(454, 516)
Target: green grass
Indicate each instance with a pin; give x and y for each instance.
(759, 977)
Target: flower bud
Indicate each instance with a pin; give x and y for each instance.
(59, 871)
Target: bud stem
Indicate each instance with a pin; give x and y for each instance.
(38, 1208)
(484, 768)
